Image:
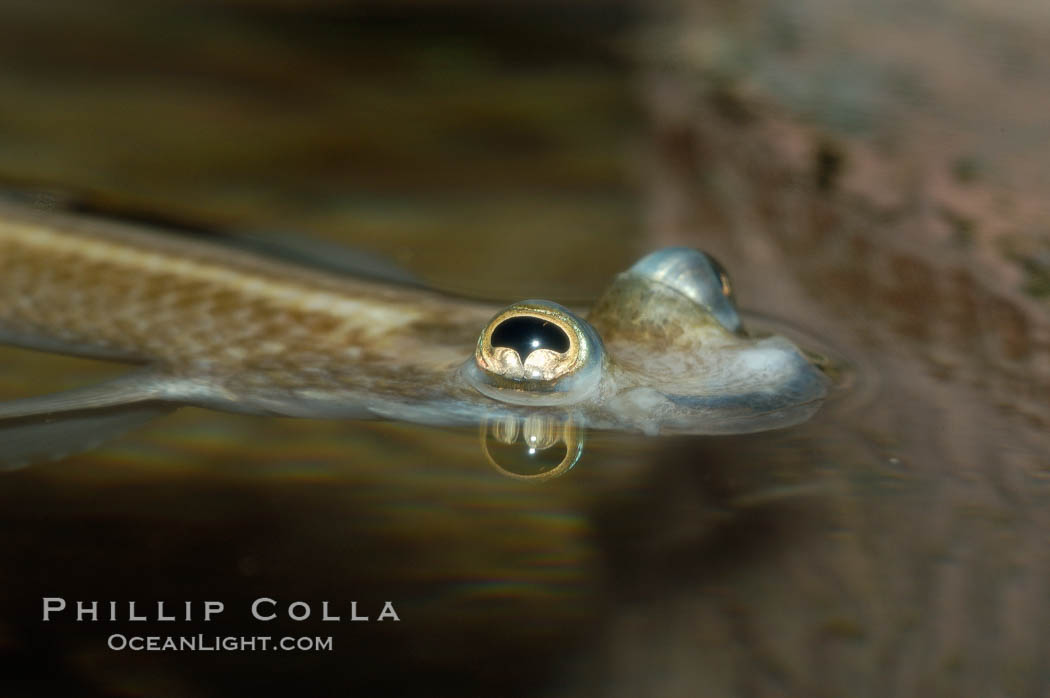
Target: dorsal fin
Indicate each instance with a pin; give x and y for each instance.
(295, 248)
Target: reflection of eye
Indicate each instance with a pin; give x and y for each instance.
(536, 353)
(535, 448)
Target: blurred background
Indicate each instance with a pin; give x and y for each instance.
(873, 176)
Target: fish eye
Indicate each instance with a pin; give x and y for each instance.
(536, 353)
(528, 333)
(696, 275)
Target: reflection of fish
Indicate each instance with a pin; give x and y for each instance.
(236, 330)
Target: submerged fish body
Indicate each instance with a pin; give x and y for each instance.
(235, 330)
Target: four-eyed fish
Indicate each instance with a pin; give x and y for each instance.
(230, 328)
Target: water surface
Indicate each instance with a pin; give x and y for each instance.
(894, 545)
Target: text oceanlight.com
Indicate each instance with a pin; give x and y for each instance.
(217, 643)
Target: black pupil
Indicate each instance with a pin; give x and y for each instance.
(525, 334)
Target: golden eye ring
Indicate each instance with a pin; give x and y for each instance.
(529, 343)
(537, 353)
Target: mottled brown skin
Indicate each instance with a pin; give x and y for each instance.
(201, 309)
(229, 329)
(633, 315)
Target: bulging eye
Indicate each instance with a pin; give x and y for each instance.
(536, 353)
(696, 275)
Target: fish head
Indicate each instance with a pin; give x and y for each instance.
(662, 351)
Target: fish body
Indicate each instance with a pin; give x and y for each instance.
(227, 321)
(232, 329)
